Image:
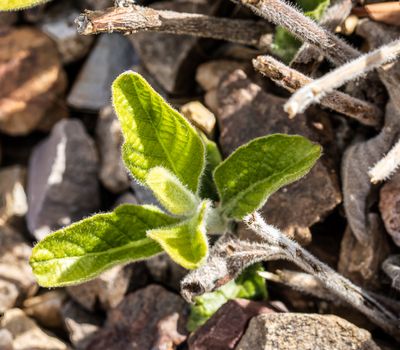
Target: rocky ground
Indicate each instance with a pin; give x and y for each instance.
(60, 161)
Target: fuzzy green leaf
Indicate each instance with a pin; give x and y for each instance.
(10, 5)
(85, 249)
(170, 192)
(254, 171)
(249, 285)
(186, 242)
(155, 133)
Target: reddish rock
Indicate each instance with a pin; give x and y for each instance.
(151, 318)
(247, 112)
(31, 79)
(225, 328)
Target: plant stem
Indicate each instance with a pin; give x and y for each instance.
(304, 28)
(317, 89)
(133, 19)
(384, 168)
(330, 279)
(292, 80)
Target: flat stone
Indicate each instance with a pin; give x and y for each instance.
(112, 55)
(150, 318)
(200, 116)
(292, 331)
(172, 59)
(46, 308)
(13, 201)
(16, 279)
(26, 333)
(32, 80)
(80, 324)
(389, 206)
(62, 179)
(247, 112)
(108, 289)
(225, 328)
(113, 173)
(59, 25)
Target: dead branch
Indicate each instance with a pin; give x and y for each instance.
(292, 80)
(316, 90)
(134, 19)
(304, 28)
(386, 167)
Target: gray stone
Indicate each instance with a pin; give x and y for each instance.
(16, 279)
(26, 333)
(143, 194)
(113, 173)
(62, 179)
(13, 201)
(125, 198)
(111, 55)
(150, 318)
(291, 331)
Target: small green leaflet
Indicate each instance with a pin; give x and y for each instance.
(254, 171)
(9, 5)
(85, 249)
(155, 133)
(249, 285)
(186, 242)
(170, 192)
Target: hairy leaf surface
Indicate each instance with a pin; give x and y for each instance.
(170, 192)
(9, 5)
(85, 249)
(254, 171)
(155, 133)
(186, 242)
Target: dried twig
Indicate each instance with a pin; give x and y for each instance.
(314, 91)
(134, 18)
(292, 80)
(231, 256)
(385, 168)
(304, 28)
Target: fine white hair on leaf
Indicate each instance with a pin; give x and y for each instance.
(387, 166)
(314, 91)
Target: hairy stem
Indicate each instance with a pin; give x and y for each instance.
(304, 28)
(314, 91)
(134, 18)
(292, 80)
(385, 168)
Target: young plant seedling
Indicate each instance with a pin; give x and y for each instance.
(200, 193)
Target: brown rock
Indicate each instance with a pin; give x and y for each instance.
(389, 206)
(109, 289)
(290, 331)
(111, 55)
(31, 79)
(361, 262)
(172, 59)
(200, 117)
(151, 318)
(13, 201)
(246, 112)
(26, 333)
(113, 173)
(14, 268)
(7, 19)
(80, 324)
(46, 308)
(62, 179)
(225, 328)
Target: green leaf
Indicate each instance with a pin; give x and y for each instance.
(186, 242)
(254, 171)
(213, 158)
(9, 5)
(249, 285)
(286, 45)
(155, 133)
(170, 192)
(85, 249)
